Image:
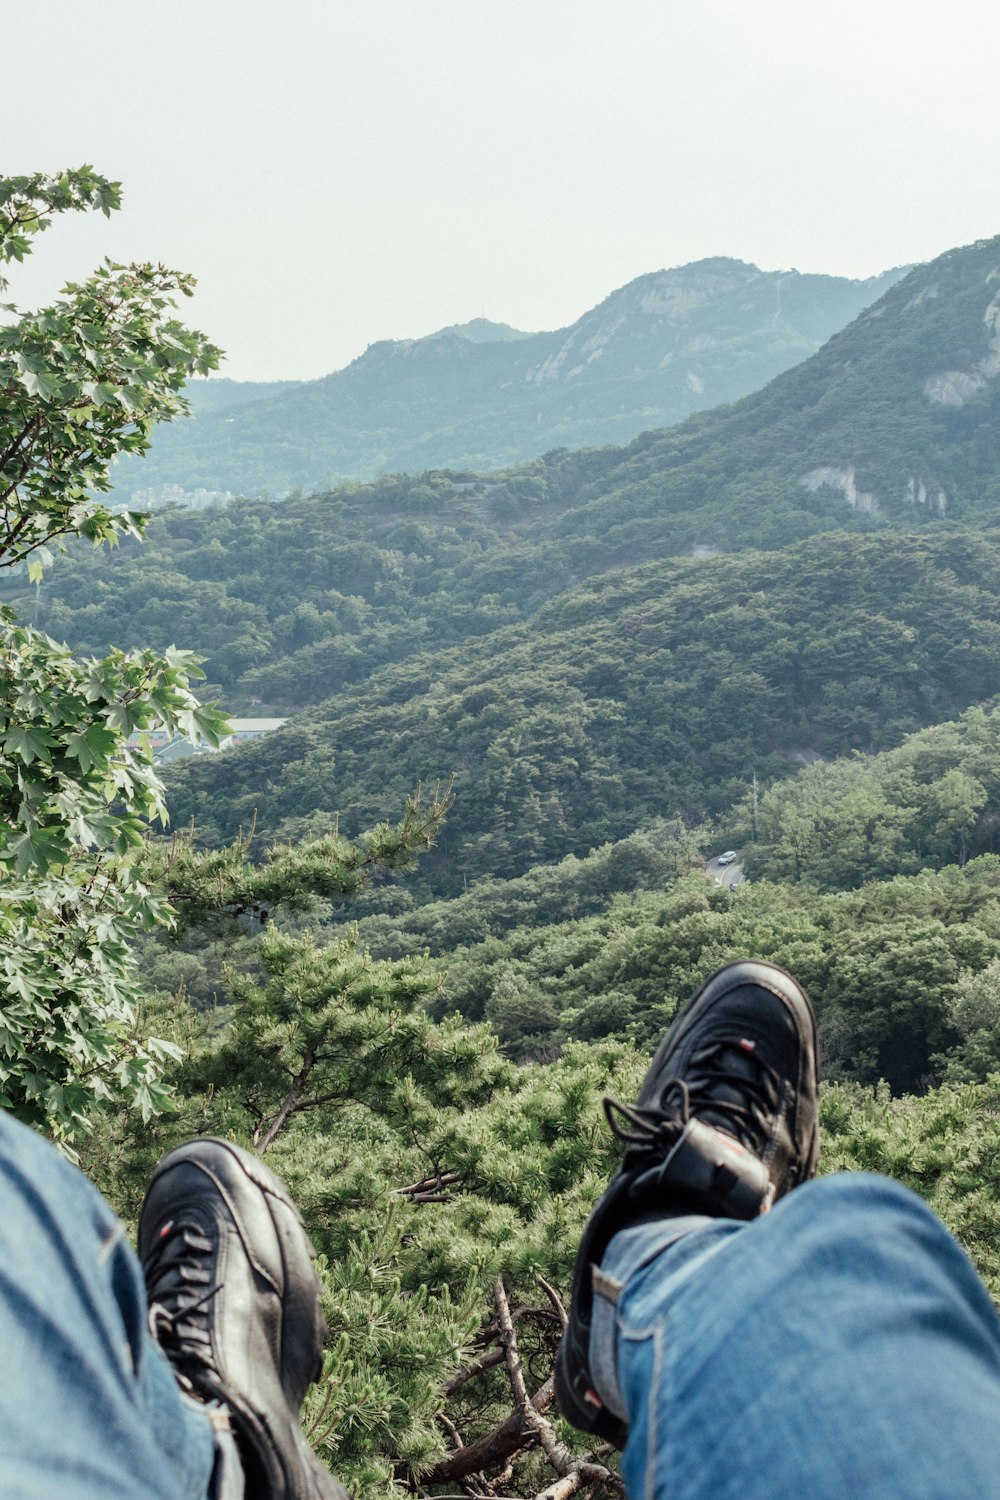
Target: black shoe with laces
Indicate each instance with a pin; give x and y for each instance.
(725, 1124)
(234, 1304)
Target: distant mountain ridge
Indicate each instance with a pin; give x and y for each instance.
(482, 395)
(291, 603)
(897, 417)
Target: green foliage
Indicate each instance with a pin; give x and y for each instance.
(203, 882)
(933, 799)
(432, 1167)
(83, 380)
(882, 963)
(28, 204)
(80, 382)
(74, 801)
(330, 1026)
(974, 1012)
(628, 699)
(946, 1146)
(573, 888)
(426, 1166)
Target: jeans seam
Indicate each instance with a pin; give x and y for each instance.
(654, 1334)
(653, 1439)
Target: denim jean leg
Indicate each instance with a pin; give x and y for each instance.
(89, 1407)
(840, 1346)
(629, 1251)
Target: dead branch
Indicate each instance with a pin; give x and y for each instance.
(583, 1475)
(420, 1191)
(527, 1424)
(557, 1453)
(476, 1367)
(510, 1437)
(554, 1298)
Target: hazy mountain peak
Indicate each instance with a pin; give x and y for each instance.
(480, 331)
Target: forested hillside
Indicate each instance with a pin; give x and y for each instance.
(874, 878)
(651, 692)
(482, 395)
(442, 1183)
(289, 603)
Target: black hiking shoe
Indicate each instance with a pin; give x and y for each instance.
(725, 1124)
(234, 1305)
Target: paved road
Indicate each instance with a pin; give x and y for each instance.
(728, 875)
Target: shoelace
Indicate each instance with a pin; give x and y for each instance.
(748, 1117)
(179, 1287)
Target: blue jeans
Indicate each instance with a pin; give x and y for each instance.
(89, 1408)
(841, 1347)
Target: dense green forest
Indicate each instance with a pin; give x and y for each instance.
(651, 692)
(430, 1163)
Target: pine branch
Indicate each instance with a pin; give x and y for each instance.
(429, 1189)
(526, 1425)
(554, 1298)
(581, 1476)
(290, 1107)
(451, 1430)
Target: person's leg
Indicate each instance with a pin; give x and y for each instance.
(89, 1408)
(841, 1345)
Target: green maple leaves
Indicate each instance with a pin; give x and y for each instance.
(80, 382)
(84, 379)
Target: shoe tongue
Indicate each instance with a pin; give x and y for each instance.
(736, 1062)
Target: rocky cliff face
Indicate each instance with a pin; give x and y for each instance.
(910, 394)
(691, 320)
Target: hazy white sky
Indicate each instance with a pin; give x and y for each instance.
(340, 171)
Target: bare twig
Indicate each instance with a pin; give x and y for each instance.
(554, 1298)
(451, 1430)
(421, 1191)
(317, 1420)
(557, 1453)
(476, 1367)
(508, 1339)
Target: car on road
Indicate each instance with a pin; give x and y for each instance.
(729, 858)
